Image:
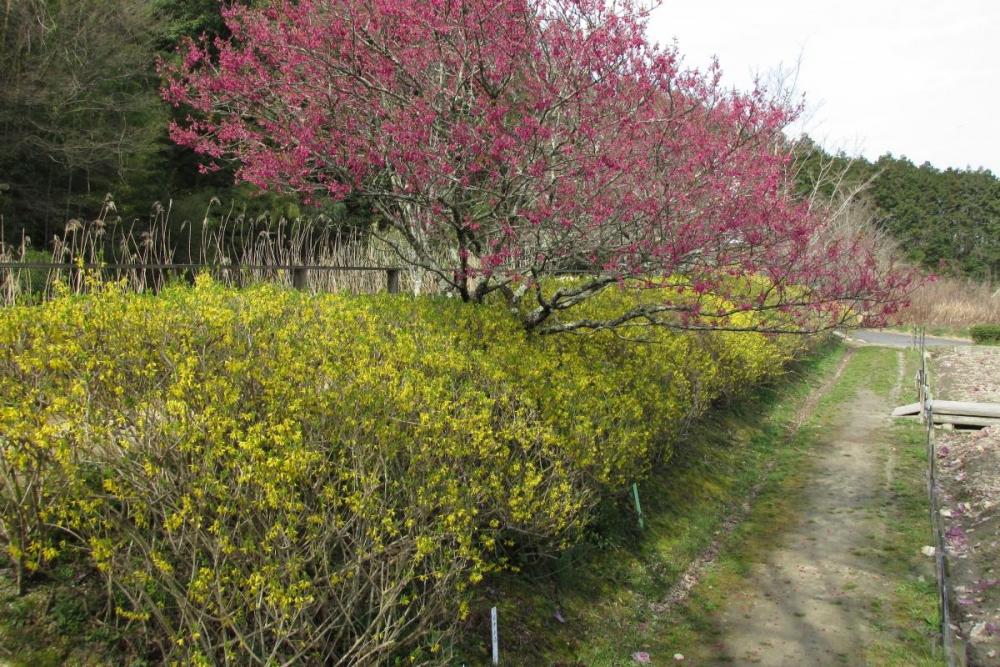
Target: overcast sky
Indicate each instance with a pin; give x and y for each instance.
(919, 78)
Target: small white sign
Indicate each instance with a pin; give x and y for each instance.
(495, 636)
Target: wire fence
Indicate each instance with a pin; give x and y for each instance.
(953, 657)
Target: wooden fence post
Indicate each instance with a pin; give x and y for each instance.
(300, 275)
(392, 281)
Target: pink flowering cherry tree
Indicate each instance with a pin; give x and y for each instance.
(505, 143)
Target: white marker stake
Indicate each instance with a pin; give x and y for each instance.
(495, 636)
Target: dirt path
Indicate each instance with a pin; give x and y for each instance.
(815, 600)
(698, 567)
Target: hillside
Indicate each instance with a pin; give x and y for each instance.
(947, 221)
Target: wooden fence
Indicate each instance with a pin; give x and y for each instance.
(162, 272)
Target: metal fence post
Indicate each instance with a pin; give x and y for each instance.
(937, 528)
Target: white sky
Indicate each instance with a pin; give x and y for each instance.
(919, 78)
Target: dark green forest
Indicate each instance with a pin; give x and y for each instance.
(947, 221)
(81, 117)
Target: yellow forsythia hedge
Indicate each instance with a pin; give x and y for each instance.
(266, 476)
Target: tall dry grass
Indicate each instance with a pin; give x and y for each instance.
(941, 305)
(235, 250)
(953, 303)
(12, 281)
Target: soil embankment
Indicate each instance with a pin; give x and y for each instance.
(969, 484)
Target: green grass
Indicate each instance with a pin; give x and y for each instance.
(55, 623)
(911, 611)
(985, 334)
(604, 589)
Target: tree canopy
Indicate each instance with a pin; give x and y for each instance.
(78, 111)
(79, 119)
(947, 221)
(507, 143)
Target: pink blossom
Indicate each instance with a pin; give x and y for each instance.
(534, 134)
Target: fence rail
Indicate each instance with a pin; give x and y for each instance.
(299, 272)
(189, 265)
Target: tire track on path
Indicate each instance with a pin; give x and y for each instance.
(815, 597)
(694, 572)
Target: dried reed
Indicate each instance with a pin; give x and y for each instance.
(953, 303)
(14, 283)
(235, 249)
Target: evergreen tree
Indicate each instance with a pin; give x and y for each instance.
(79, 113)
(947, 221)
